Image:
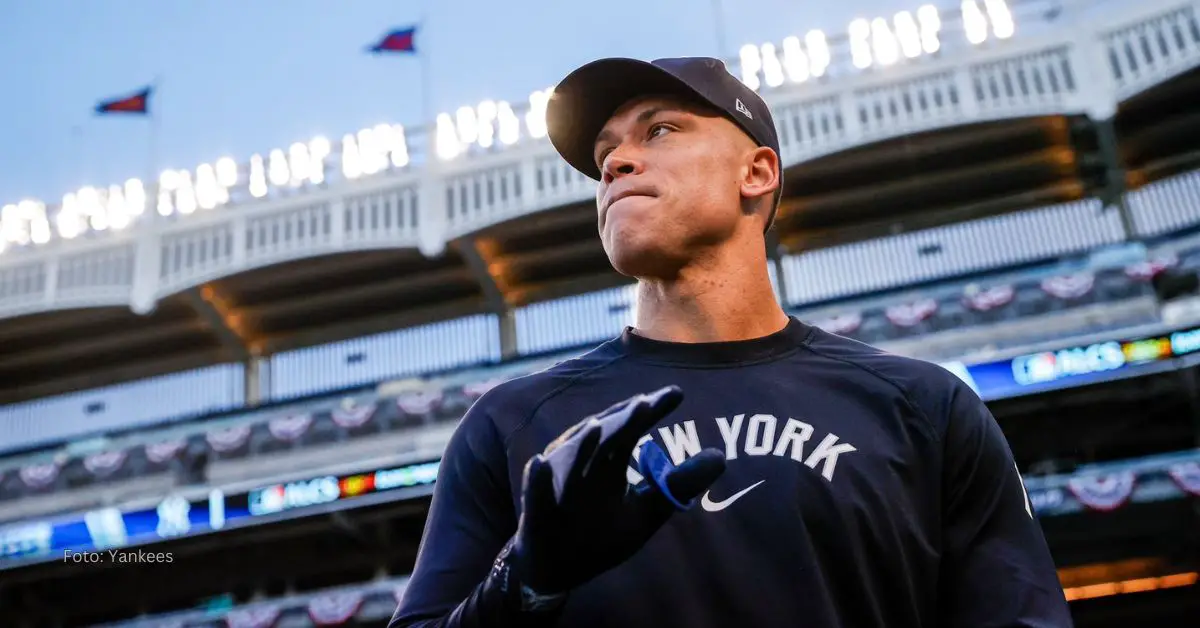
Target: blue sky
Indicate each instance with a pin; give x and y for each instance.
(240, 76)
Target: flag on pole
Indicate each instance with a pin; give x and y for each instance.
(399, 40)
(137, 103)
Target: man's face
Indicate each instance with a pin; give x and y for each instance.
(673, 178)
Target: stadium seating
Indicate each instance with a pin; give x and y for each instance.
(842, 287)
(955, 306)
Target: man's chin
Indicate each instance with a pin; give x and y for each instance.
(641, 260)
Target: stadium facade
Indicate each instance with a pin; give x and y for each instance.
(254, 366)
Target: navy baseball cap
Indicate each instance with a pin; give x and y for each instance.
(583, 102)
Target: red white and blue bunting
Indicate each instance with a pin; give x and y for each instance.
(350, 415)
(263, 616)
(334, 609)
(1068, 287)
(840, 324)
(987, 299)
(1105, 492)
(911, 314)
(289, 428)
(1186, 476)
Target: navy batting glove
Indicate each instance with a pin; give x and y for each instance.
(581, 517)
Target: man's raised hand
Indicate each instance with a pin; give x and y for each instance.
(580, 516)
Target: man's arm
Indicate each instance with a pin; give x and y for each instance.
(471, 519)
(481, 567)
(996, 566)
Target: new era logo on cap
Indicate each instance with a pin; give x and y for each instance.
(741, 108)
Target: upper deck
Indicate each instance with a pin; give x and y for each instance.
(475, 213)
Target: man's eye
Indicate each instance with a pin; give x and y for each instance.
(657, 130)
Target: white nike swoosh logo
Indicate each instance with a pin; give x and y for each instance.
(708, 504)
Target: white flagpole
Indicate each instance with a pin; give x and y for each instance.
(428, 114)
(155, 127)
(719, 29)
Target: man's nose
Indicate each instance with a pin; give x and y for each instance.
(618, 164)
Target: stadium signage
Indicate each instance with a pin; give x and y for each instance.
(1046, 499)
(24, 539)
(1049, 366)
(281, 497)
(50, 538)
(1185, 342)
(1074, 366)
(404, 476)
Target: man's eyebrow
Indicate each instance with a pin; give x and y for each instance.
(645, 116)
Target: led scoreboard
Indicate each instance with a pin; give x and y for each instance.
(1080, 365)
(175, 516)
(327, 489)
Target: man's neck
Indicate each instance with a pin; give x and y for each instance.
(717, 301)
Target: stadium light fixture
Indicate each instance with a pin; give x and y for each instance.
(446, 139)
(535, 118)
(39, 226)
(258, 176)
(89, 208)
(1000, 17)
(115, 211)
(398, 150)
(509, 124)
(299, 163)
(860, 43)
(277, 168)
(351, 161)
(185, 194)
(772, 68)
(871, 42)
(135, 197)
(486, 123)
(368, 151)
(168, 180)
(17, 222)
(751, 64)
(163, 204)
(69, 222)
(318, 150)
(883, 43)
(208, 193)
(817, 47)
(24, 223)
(485, 119)
(930, 24)
(227, 172)
(974, 22)
(372, 154)
(795, 61)
(385, 144)
(908, 34)
(465, 123)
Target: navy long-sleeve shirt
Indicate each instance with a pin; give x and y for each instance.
(862, 489)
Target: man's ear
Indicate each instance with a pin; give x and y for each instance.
(761, 178)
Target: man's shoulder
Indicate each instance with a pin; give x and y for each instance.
(514, 401)
(929, 387)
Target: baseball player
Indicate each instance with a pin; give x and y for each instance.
(719, 463)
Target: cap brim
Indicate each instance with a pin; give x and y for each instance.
(583, 102)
